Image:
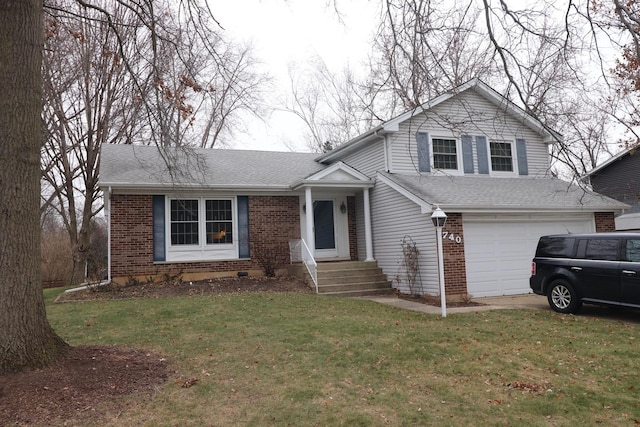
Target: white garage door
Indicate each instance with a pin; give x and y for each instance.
(498, 252)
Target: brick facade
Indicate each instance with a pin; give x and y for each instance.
(273, 222)
(605, 221)
(455, 272)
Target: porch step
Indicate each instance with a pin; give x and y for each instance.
(347, 278)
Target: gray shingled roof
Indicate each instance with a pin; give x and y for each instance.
(144, 166)
(464, 192)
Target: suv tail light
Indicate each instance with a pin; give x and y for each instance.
(533, 268)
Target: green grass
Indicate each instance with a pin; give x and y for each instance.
(304, 360)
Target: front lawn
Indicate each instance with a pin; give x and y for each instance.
(305, 360)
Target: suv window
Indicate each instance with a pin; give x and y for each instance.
(632, 253)
(604, 249)
(555, 247)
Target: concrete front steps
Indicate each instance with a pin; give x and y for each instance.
(346, 278)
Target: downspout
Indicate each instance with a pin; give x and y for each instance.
(107, 211)
(385, 149)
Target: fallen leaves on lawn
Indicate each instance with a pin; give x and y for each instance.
(527, 386)
(189, 382)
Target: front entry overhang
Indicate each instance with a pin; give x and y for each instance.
(338, 179)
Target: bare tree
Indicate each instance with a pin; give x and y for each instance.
(585, 100)
(90, 99)
(112, 81)
(26, 338)
(421, 49)
(424, 48)
(328, 104)
(627, 70)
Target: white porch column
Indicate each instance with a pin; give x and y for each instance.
(311, 241)
(367, 226)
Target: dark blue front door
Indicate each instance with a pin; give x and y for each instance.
(324, 226)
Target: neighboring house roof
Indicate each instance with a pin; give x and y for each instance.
(477, 194)
(617, 157)
(477, 85)
(137, 166)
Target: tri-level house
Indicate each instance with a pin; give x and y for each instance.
(470, 152)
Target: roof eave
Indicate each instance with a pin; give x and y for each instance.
(497, 209)
(332, 184)
(608, 162)
(165, 187)
(352, 145)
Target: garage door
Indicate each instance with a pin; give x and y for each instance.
(498, 252)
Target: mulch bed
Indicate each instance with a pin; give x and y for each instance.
(86, 382)
(178, 288)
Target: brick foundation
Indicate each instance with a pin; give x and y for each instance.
(273, 221)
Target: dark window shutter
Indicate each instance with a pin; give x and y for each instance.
(483, 157)
(521, 150)
(243, 226)
(467, 153)
(159, 242)
(424, 158)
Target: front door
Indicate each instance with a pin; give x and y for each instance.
(324, 232)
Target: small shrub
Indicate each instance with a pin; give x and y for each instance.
(173, 278)
(270, 258)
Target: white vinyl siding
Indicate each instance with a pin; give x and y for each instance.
(468, 114)
(394, 216)
(367, 160)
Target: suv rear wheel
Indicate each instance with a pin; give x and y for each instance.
(563, 298)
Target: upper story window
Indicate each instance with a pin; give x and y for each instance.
(445, 153)
(501, 156)
(471, 154)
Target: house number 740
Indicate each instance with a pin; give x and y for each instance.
(452, 237)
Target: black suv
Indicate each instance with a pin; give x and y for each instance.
(600, 268)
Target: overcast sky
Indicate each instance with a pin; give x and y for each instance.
(285, 32)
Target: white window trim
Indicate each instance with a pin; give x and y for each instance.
(459, 170)
(201, 251)
(514, 158)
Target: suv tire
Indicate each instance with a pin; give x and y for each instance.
(563, 298)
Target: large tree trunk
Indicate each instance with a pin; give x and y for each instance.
(26, 339)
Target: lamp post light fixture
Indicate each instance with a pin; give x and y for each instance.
(439, 219)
